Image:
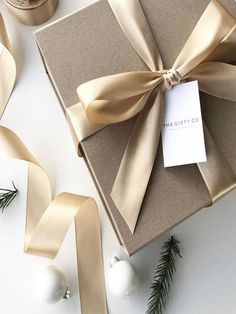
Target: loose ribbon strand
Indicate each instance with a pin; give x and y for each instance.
(47, 220)
(7, 68)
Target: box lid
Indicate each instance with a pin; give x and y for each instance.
(89, 44)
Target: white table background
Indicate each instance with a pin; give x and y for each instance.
(205, 282)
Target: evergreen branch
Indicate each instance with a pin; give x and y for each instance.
(7, 196)
(163, 277)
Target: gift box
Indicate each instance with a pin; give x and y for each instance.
(89, 44)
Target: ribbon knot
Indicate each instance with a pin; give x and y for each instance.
(171, 78)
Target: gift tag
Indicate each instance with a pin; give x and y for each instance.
(182, 131)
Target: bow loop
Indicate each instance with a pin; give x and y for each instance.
(210, 76)
(115, 98)
(212, 30)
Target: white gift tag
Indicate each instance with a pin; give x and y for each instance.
(182, 132)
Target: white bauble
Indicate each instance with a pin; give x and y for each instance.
(123, 279)
(50, 285)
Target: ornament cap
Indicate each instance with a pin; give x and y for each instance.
(67, 294)
(114, 259)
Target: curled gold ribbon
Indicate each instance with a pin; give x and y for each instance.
(7, 67)
(47, 220)
(47, 223)
(206, 57)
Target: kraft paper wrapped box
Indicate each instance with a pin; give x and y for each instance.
(89, 44)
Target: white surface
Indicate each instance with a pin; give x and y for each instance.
(206, 276)
(182, 131)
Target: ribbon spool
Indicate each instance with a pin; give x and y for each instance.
(32, 12)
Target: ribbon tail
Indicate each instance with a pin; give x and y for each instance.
(136, 166)
(216, 172)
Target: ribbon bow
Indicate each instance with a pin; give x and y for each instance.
(206, 57)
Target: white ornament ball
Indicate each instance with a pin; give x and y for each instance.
(50, 285)
(123, 279)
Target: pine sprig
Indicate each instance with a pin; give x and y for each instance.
(163, 277)
(7, 196)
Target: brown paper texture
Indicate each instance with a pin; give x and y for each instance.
(89, 44)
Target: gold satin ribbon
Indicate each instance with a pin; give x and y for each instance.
(47, 223)
(206, 57)
(47, 220)
(7, 68)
